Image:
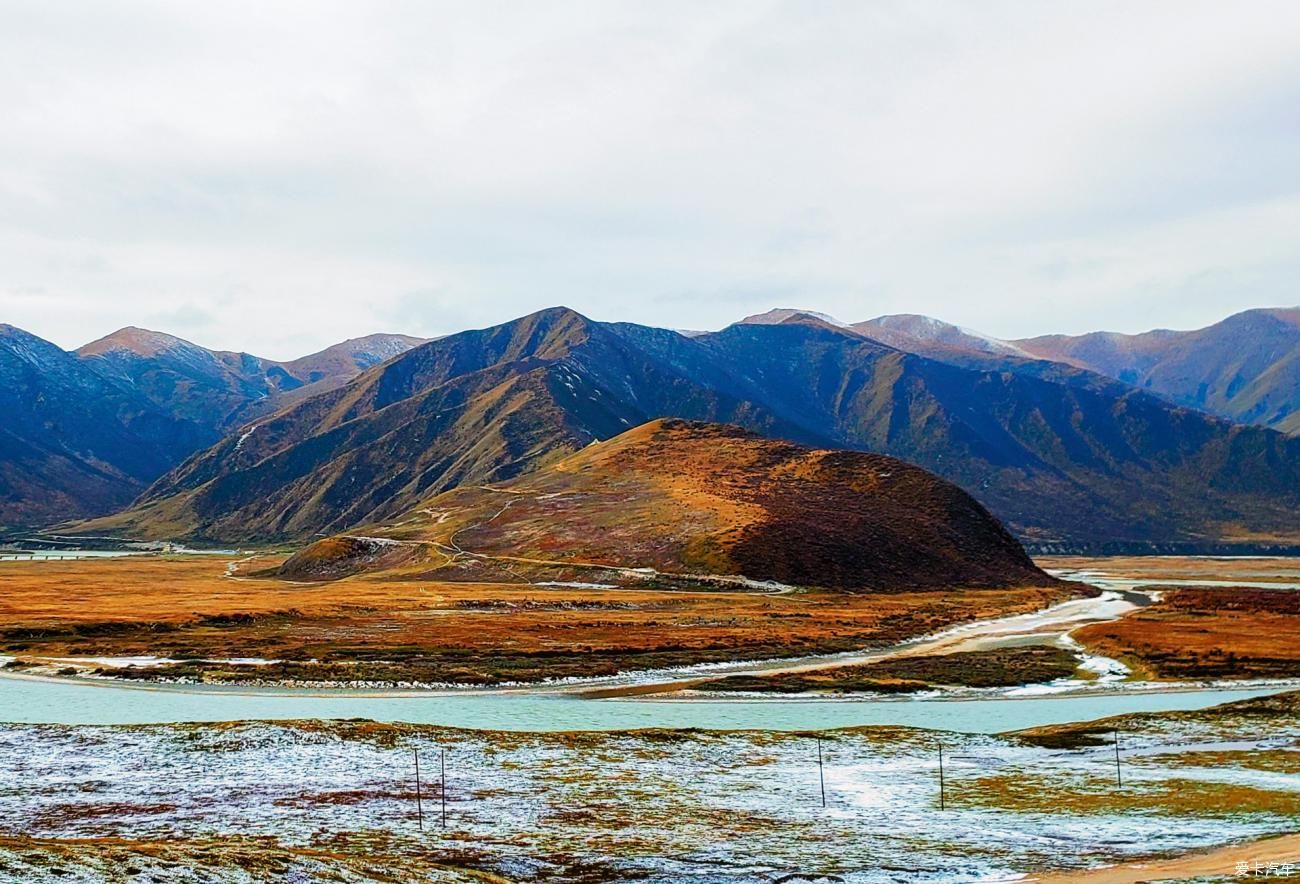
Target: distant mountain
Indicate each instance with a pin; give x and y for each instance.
(782, 314)
(220, 390)
(72, 443)
(697, 500)
(1245, 368)
(933, 337)
(86, 432)
(1059, 453)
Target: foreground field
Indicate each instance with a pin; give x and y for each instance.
(337, 801)
(384, 628)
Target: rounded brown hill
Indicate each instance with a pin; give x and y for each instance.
(707, 499)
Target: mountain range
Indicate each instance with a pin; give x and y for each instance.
(86, 432)
(1245, 368)
(1062, 454)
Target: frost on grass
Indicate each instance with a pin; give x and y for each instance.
(651, 805)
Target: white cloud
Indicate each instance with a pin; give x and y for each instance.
(303, 172)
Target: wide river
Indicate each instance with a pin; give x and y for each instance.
(58, 701)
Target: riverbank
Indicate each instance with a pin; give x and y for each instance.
(195, 616)
(1016, 640)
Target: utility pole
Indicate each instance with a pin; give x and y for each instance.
(419, 807)
(443, 788)
(821, 775)
(942, 803)
(1119, 777)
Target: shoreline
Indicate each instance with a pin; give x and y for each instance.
(944, 696)
(1070, 614)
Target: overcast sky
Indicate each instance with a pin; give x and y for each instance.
(275, 176)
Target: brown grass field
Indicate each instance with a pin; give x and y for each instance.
(388, 627)
(1210, 632)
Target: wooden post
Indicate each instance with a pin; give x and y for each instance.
(419, 807)
(443, 788)
(821, 775)
(942, 803)
(1119, 777)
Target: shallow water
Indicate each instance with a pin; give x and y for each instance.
(58, 555)
(49, 701)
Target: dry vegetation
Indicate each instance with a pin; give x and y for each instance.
(390, 627)
(981, 669)
(1207, 632)
(1026, 792)
(674, 543)
(231, 858)
(703, 499)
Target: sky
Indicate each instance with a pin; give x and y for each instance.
(277, 176)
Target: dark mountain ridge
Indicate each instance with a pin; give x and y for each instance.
(86, 432)
(1245, 368)
(1060, 453)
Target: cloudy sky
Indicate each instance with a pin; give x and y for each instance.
(276, 176)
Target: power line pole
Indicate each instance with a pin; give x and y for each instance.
(1119, 777)
(821, 775)
(442, 757)
(419, 807)
(942, 803)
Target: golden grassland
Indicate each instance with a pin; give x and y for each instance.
(692, 499)
(1282, 761)
(1027, 792)
(1000, 667)
(390, 627)
(1207, 632)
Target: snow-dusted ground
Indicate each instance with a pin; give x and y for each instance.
(674, 806)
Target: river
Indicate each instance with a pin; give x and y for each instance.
(63, 701)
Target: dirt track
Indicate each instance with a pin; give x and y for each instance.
(1221, 862)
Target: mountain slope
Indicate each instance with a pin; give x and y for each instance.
(476, 407)
(704, 499)
(72, 443)
(1245, 368)
(1059, 453)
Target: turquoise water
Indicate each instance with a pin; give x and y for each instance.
(68, 702)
